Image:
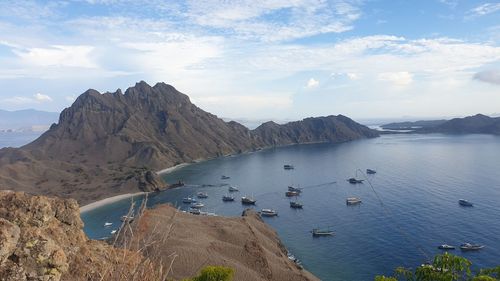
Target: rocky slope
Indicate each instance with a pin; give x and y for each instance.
(477, 124)
(109, 144)
(42, 239)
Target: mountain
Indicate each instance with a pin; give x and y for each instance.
(409, 125)
(109, 144)
(477, 124)
(26, 120)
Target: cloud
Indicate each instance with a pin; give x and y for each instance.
(42, 98)
(58, 55)
(401, 78)
(349, 75)
(488, 76)
(485, 9)
(312, 83)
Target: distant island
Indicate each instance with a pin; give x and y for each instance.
(477, 124)
(28, 120)
(114, 143)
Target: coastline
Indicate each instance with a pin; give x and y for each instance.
(109, 200)
(173, 168)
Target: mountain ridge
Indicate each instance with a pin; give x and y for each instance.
(111, 143)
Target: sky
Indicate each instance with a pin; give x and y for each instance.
(259, 59)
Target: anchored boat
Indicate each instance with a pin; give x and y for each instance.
(202, 195)
(227, 198)
(248, 200)
(288, 167)
(316, 232)
(296, 189)
(354, 181)
(370, 171)
(188, 200)
(233, 189)
(353, 201)
(268, 213)
(471, 247)
(197, 205)
(465, 203)
(292, 193)
(296, 205)
(446, 247)
(224, 177)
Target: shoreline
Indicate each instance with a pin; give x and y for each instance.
(109, 200)
(173, 168)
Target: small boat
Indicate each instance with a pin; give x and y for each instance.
(288, 167)
(446, 247)
(224, 177)
(318, 232)
(197, 205)
(296, 205)
(106, 224)
(370, 171)
(471, 247)
(227, 198)
(233, 189)
(292, 188)
(352, 201)
(127, 218)
(194, 211)
(248, 200)
(465, 203)
(292, 193)
(188, 200)
(113, 231)
(202, 195)
(268, 213)
(354, 181)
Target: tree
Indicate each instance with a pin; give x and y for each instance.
(214, 273)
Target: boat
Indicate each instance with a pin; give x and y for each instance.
(296, 205)
(370, 171)
(471, 247)
(354, 181)
(248, 200)
(292, 193)
(446, 247)
(188, 200)
(292, 188)
(197, 205)
(268, 213)
(127, 218)
(288, 167)
(224, 177)
(233, 189)
(194, 211)
(352, 201)
(113, 231)
(465, 203)
(227, 198)
(202, 195)
(106, 224)
(325, 232)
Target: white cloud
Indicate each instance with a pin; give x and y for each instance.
(349, 75)
(401, 78)
(312, 83)
(485, 9)
(59, 56)
(488, 76)
(42, 98)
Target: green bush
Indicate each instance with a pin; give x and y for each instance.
(214, 273)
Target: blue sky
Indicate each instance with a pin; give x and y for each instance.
(259, 59)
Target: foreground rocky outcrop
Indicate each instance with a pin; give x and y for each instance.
(109, 144)
(42, 239)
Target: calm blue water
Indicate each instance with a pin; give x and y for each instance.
(17, 139)
(419, 180)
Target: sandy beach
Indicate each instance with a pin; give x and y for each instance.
(173, 168)
(109, 200)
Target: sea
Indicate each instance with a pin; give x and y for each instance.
(17, 139)
(409, 207)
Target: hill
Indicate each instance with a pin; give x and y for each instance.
(109, 144)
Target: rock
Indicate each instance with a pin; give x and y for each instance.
(9, 235)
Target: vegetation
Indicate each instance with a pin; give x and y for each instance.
(214, 273)
(445, 267)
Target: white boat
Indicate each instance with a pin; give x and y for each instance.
(471, 247)
(106, 224)
(446, 247)
(188, 200)
(202, 195)
(227, 198)
(268, 213)
(248, 200)
(353, 201)
(113, 231)
(233, 188)
(197, 205)
(316, 232)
